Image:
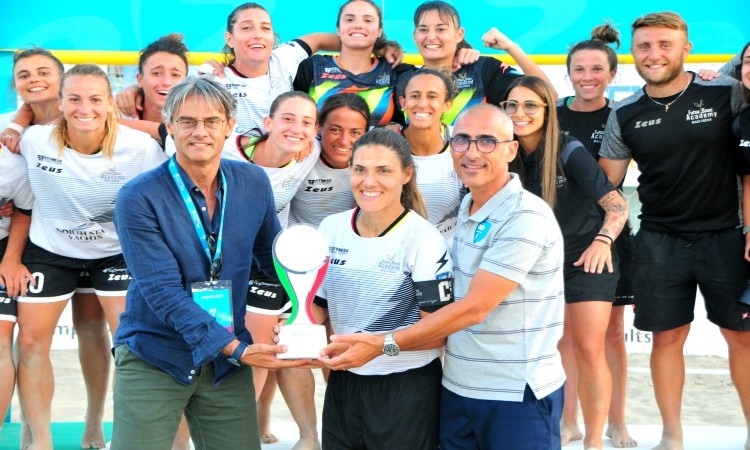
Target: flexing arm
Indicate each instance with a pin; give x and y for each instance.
(497, 40)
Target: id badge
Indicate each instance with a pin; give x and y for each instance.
(215, 297)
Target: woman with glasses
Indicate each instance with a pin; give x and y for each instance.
(76, 167)
(389, 253)
(592, 65)
(561, 171)
(426, 97)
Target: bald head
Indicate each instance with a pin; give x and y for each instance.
(490, 116)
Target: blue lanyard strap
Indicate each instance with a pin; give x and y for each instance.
(215, 262)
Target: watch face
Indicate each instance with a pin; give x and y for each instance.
(391, 349)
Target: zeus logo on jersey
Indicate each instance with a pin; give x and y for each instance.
(647, 123)
(44, 163)
(327, 183)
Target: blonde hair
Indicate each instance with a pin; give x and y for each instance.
(60, 133)
(550, 143)
(666, 19)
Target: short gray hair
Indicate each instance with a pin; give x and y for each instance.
(211, 91)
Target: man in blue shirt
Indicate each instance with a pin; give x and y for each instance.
(189, 230)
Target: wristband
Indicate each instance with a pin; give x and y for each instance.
(746, 229)
(237, 354)
(607, 237)
(15, 127)
(602, 241)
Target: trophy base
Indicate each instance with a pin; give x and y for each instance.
(302, 341)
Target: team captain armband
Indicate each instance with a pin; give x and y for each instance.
(433, 294)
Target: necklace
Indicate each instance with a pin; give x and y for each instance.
(666, 105)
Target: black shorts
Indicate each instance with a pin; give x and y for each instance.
(388, 412)
(58, 277)
(624, 249)
(8, 306)
(266, 296)
(581, 286)
(669, 268)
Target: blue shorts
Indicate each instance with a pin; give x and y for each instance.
(467, 423)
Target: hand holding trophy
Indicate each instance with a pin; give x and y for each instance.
(301, 257)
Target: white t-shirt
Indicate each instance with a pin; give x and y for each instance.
(254, 95)
(325, 191)
(75, 193)
(442, 190)
(14, 185)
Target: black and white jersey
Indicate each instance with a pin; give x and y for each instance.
(75, 193)
(685, 154)
(369, 287)
(14, 185)
(442, 190)
(325, 191)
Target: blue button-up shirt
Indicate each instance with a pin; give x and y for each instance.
(162, 324)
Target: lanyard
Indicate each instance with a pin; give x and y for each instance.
(215, 262)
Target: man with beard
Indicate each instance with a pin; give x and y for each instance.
(678, 129)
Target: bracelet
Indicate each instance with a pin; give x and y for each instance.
(15, 127)
(746, 229)
(611, 241)
(603, 241)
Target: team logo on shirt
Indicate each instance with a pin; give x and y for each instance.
(598, 135)
(561, 181)
(86, 232)
(47, 164)
(700, 115)
(290, 183)
(337, 255)
(383, 79)
(743, 143)
(464, 81)
(111, 175)
(482, 230)
(390, 264)
(647, 123)
(323, 185)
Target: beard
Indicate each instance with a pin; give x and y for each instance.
(672, 72)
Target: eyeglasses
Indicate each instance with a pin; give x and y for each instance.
(212, 125)
(529, 107)
(461, 144)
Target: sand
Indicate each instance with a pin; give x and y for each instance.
(710, 398)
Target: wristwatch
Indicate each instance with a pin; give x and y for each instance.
(390, 347)
(236, 357)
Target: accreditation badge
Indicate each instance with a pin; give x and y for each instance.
(215, 297)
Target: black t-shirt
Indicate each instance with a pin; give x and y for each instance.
(686, 156)
(587, 127)
(579, 188)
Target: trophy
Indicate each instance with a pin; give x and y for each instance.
(300, 255)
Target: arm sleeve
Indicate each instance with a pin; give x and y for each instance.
(156, 269)
(586, 172)
(613, 147)
(432, 273)
(496, 77)
(304, 79)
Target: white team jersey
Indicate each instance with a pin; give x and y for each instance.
(14, 185)
(254, 95)
(369, 285)
(75, 193)
(284, 180)
(442, 190)
(325, 191)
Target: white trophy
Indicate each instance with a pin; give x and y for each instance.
(301, 257)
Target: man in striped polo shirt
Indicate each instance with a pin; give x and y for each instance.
(503, 378)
